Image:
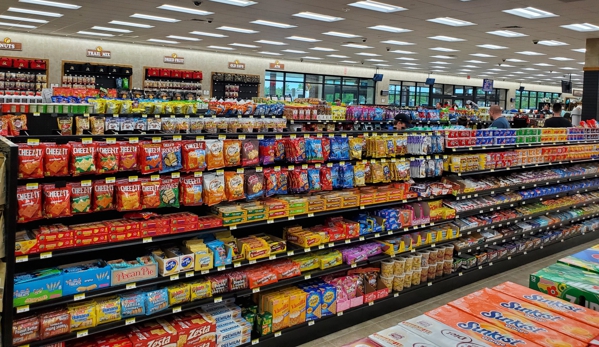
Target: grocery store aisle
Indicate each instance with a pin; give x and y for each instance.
(518, 275)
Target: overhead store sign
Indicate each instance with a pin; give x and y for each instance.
(8, 45)
(277, 66)
(98, 53)
(174, 59)
(236, 65)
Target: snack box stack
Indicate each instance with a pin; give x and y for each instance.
(276, 208)
(231, 328)
(231, 214)
(554, 135)
(297, 204)
(503, 136)
(460, 138)
(528, 135)
(300, 237)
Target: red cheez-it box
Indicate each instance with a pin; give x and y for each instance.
(195, 330)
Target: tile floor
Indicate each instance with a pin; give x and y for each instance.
(518, 275)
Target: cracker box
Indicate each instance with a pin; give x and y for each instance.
(36, 286)
(440, 334)
(133, 274)
(196, 331)
(398, 336)
(161, 335)
(502, 317)
(84, 276)
(478, 328)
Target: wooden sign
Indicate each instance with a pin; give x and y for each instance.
(174, 59)
(98, 53)
(277, 66)
(236, 65)
(8, 45)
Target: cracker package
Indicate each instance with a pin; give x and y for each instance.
(191, 191)
(83, 158)
(54, 323)
(107, 158)
(83, 315)
(57, 201)
(108, 309)
(156, 301)
(254, 185)
(171, 156)
(56, 161)
(81, 125)
(128, 196)
(25, 330)
(267, 151)
(178, 293)
(200, 289)
(29, 201)
(16, 124)
(150, 157)
(232, 152)
(65, 125)
(103, 196)
(234, 185)
(193, 156)
(214, 189)
(97, 125)
(169, 192)
(128, 156)
(133, 305)
(81, 198)
(214, 154)
(250, 152)
(150, 193)
(31, 160)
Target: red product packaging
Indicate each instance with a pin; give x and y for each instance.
(193, 155)
(107, 159)
(83, 158)
(29, 201)
(60, 244)
(128, 156)
(57, 201)
(150, 193)
(89, 229)
(25, 330)
(129, 235)
(103, 196)
(199, 331)
(31, 161)
(209, 222)
(164, 335)
(286, 269)
(114, 340)
(260, 277)
(56, 161)
(150, 157)
(128, 196)
(90, 240)
(182, 218)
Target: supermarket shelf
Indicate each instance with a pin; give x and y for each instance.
(521, 167)
(333, 121)
(519, 146)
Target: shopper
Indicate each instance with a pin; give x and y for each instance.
(438, 106)
(576, 114)
(546, 110)
(499, 121)
(557, 121)
(403, 122)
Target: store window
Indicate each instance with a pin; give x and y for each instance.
(530, 100)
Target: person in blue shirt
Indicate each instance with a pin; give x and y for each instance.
(499, 121)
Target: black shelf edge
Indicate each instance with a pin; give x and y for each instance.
(522, 167)
(518, 146)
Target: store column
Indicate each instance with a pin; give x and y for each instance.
(590, 96)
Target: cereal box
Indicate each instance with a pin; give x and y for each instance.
(397, 336)
(440, 334)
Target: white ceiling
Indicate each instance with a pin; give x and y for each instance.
(486, 14)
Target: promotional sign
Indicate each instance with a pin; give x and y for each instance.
(8, 45)
(236, 65)
(487, 85)
(174, 59)
(277, 66)
(98, 53)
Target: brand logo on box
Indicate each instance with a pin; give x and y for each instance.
(8, 45)
(487, 334)
(456, 336)
(198, 332)
(98, 52)
(529, 312)
(160, 342)
(554, 303)
(174, 59)
(515, 324)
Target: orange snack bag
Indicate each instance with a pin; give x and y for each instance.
(232, 152)
(103, 196)
(150, 193)
(128, 195)
(193, 156)
(56, 161)
(83, 158)
(107, 159)
(214, 154)
(29, 203)
(150, 157)
(57, 201)
(214, 189)
(128, 156)
(31, 159)
(234, 186)
(191, 191)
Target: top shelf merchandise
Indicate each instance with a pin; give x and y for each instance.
(176, 80)
(235, 86)
(22, 77)
(94, 75)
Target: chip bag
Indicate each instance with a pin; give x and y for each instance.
(128, 196)
(31, 161)
(232, 152)
(249, 153)
(56, 161)
(29, 203)
(107, 158)
(103, 196)
(194, 156)
(65, 125)
(57, 201)
(150, 193)
(282, 178)
(314, 180)
(81, 198)
(267, 151)
(150, 157)
(171, 156)
(214, 154)
(234, 185)
(17, 123)
(128, 156)
(326, 180)
(83, 158)
(214, 189)
(254, 185)
(169, 192)
(191, 191)
(355, 147)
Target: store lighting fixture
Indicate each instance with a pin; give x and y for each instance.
(506, 33)
(471, 66)
(520, 72)
(507, 65)
(530, 13)
(406, 58)
(510, 75)
(413, 68)
(323, 49)
(530, 69)
(39, 13)
(294, 51)
(110, 29)
(488, 46)
(462, 73)
(442, 57)
(475, 61)
(482, 55)
(312, 58)
(446, 38)
(24, 26)
(450, 21)
(24, 19)
(318, 16)
(377, 60)
(185, 10)
(269, 53)
(399, 51)
(399, 43)
(495, 69)
(185, 38)
(353, 45)
(581, 62)
(513, 60)
(337, 56)
(411, 64)
(443, 49)
(238, 30)
(583, 27)
(243, 45)
(465, 70)
(163, 41)
(568, 68)
(203, 33)
(377, 6)
(561, 58)
(349, 61)
(241, 3)
(552, 43)
(156, 18)
(368, 54)
(440, 62)
(273, 24)
(579, 50)
(222, 48)
(338, 34)
(390, 29)
(274, 43)
(51, 4)
(83, 32)
(384, 65)
(301, 38)
(491, 73)
(439, 67)
(543, 64)
(529, 53)
(130, 24)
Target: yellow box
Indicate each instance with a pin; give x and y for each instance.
(278, 305)
(297, 305)
(304, 238)
(307, 262)
(330, 259)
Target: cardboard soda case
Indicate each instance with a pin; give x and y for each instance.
(478, 328)
(365, 342)
(586, 260)
(552, 320)
(396, 336)
(439, 333)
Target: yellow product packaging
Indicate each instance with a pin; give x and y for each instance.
(83, 315)
(330, 259)
(126, 107)
(304, 238)
(200, 290)
(254, 248)
(204, 259)
(297, 305)
(278, 305)
(99, 105)
(307, 262)
(355, 147)
(108, 309)
(178, 293)
(148, 107)
(113, 106)
(231, 241)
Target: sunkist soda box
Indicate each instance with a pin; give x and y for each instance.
(478, 328)
(498, 315)
(396, 336)
(440, 334)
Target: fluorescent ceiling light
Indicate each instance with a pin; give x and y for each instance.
(338, 34)
(471, 66)
(156, 18)
(495, 69)
(377, 6)
(269, 53)
(446, 38)
(399, 43)
(110, 29)
(443, 49)
(318, 16)
(511, 60)
(243, 45)
(568, 68)
(413, 68)
(39, 13)
(353, 45)
(349, 62)
(241, 3)
(323, 49)
(579, 50)
(543, 64)
(267, 42)
(399, 51)
(238, 30)
(222, 47)
(510, 75)
(552, 43)
(185, 10)
(52, 4)
(530, 13)
(93, 33)
(519, 72)
(561, 58)
(301, 38)
(337, 56)
(312, 58)
(24, 19)
(389, 29)
(488, 46)
(491, 73)
(465, 70)
(482, 55)
(273, 24)
(439, 67)
(25, 26)
(581, 27)
(377, 60)
(442, 57)
(294, 51)
(506, 33)
(163, 41)
(406, 58)
(130, 24)
(529, 53)
(462, 73)
(581, 63)
(409, 64)
(450, 21)
(183, 38)
(475, 61)
(202, 33)
(507, 65)
(440, 62)
(541, 75)
(530, 69)
(382, 64)
(368, 54)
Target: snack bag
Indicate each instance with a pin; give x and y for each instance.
(103, 196)
(314, 180)
(250, 153)
(282, 179)
(359, 175)
(267, 151)
(31, 161)
(128, 156)
(169, 192)
(355, 147)
(326, 148)
(191, 191)
(214, 154)
(171, 156)
(150, 193)
(107, 158)
(65, 125)
(254, 185)
(57, 201)
(326, 179)
(108, 310)
(314, 151)
(234, 185)
(156, 301)
(232, 152)
(29, 201)
(194, 156)
(128, 196)
(56, 161)
(81, 198)
(81, 125)
(279, 150)
(83, 158)
(150, 159)
(271, 181)
(214, 189)
(97, 125)
(133, 305)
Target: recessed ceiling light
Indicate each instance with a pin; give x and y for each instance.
(368, 54)
(491, 73)
(222, 47)
(238, 30)
(156, 18)
(273, 24)
(269, 53)
(337, 56)
(39, 13)
(512, 60)
(353, 45)
(471, 66)
(202, 33)
(377, 60)
(529, 53)
(510, 75)
(312, 58)
(318, 16)
(440, 62)
(561, 58)
(241, 3)
(495, 69)
(462, 73)
(530, 69)
(183, 38)
(543, 64)
(488, 46)
(389, 29)
(338, 34)
(243, 45)
(349, 62)
(130, 24)
(541, 75)
(413, 68)
(465, 70)
(443, 49)
(439, 67)
(446, 38)
(24, 19)
(52, 4)
(377, 6)
(551, 43)
(109, 29)
(519, 72)
(581, 63)
(83, 32)
(275, 43)
(406, 58)
(568, 68)
(482, 55)
(442, 57)
(399, 51)
(300, 38)
(324, 49)
(399, 43)
(530, 13)
(294, 51)
(506, 33)
(163, 41)
(475, 61)
(579, 50)
(581, 27)
(507, 65)
(450, 21)
(25, 26)
(379, 64)
(185, 10)
(409, 64)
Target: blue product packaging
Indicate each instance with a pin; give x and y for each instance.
(156, 301)
(133, 305)
(85, 276)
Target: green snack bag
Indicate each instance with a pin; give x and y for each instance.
(264, 323)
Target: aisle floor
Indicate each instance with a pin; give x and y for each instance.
(518, 275)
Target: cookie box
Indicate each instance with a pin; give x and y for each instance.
(85, 276)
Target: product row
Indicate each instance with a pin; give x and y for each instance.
(494, 137)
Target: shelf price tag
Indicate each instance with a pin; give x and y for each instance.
(272, 257)
(22, 259)
(339, 314)
(111, 140)
(79, 297)
(33, 142)
(307, 277)
(82, 333)
(189, 274)
(310, 323)
(255, 341)
(236, 264)
(147, 240)
(174, 277)
(218, 299)
(45, 255)
(256, 290)
(86, 140)
(130, 286)
(133, 140)
(177, 309)
(252, 262)
(290, 253)
(130, 321)
(220, 268)
(22, 309)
